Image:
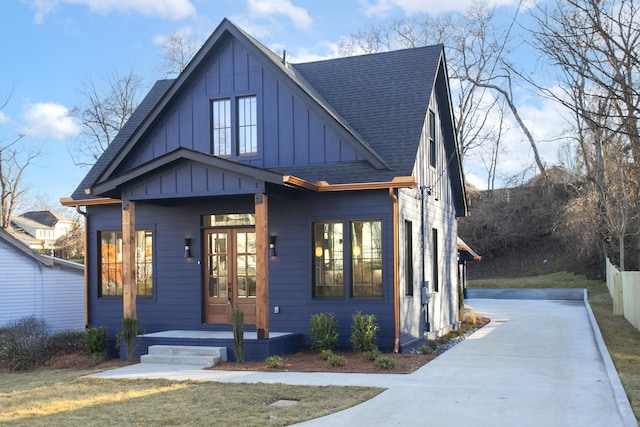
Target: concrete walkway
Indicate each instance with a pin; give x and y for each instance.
(538, 363)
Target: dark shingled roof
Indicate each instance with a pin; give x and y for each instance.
(147, 104)
(381, 99)
(384, 97)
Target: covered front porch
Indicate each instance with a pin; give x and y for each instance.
(278, 343)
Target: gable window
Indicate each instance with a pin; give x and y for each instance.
(432, 139)
(247, 125)
(234, 126)
(110, 259)
(366, 259)
(408, 258)
(328, 255)
(221, 127)
(435, 273)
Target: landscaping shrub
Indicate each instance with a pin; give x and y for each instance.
(372, 354)
(23, 344)
(324, 331)
(385, 362)
(65, 342)
(274, 362)
(364, 332)
(325, 354)
(95, 343)
(128, 333)
(237, 318)
(426, 349)
(336, 360)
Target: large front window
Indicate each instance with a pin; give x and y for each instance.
(366, 259)
(328, 277)
(110, 258)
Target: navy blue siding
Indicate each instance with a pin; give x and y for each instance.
(292, 130)
(178, 295)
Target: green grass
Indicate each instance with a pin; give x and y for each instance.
(62, 397)
(621, 338)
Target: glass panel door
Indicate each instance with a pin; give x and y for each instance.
(230, 274)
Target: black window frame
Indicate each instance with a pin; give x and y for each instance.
(147, 265)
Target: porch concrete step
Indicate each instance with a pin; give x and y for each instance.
(185, 355)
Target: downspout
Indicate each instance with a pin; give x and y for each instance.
(86, 269)
(425, 289)
(396, 285)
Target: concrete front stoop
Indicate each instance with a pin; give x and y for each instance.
(185, 355)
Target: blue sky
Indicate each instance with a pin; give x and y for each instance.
(51, 46)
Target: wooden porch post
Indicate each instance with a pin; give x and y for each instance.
(262, 267)
(128, 259)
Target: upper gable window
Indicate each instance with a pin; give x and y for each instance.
(247, 125)
(432, 139)
(234, 121)
(221, 127)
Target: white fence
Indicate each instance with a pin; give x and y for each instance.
(624, 287)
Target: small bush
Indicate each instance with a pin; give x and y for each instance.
(65, 342)
(325, 354)
(372, 354)
(274, 362)
(336, 360)
(324, 331)
(426, 349)
(95, 343)
(364, 332)
(385, 362)
(23, 344)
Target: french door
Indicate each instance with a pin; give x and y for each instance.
(230, 274)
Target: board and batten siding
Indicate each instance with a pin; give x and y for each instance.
(440, 215)
(53, 293)
(292, 130)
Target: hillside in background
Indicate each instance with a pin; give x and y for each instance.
(525, 231)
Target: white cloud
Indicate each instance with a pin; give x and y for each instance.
(170, 9)
(49, 121)
(432, 7)
(3, 118)
(267, 8)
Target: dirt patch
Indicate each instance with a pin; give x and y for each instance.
(308, 361)
(79, 360)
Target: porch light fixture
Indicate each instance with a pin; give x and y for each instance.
(318, 251)
(272, 245)
(187, 247)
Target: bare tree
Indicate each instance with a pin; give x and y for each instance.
(13, 162)
(479, 71)
(103, 114)
(177, 50)
(594, 45)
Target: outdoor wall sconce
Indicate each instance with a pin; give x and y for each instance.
(272, 245)
(318, 251)
(187, 247)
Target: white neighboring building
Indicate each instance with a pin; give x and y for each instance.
(40, 229)
(32, 284)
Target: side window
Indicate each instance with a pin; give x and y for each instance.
(110, 263)
(328, 256)
(366, 259)
(432, 139)
(221, 127)
(435, 273)
(408, 258)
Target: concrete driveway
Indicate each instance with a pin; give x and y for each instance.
(538, 363)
